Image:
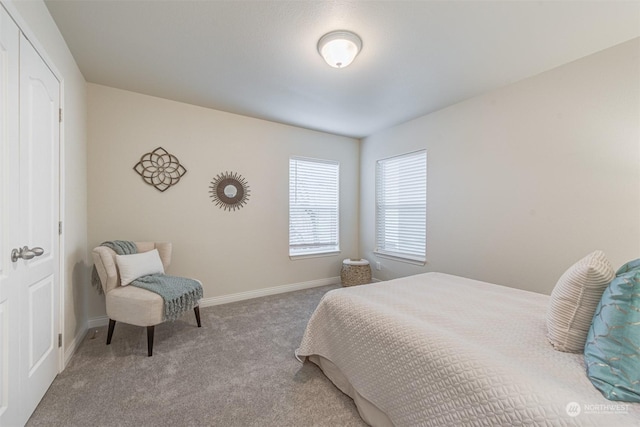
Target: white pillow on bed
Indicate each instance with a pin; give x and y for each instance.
(574, 299)
(137, 265)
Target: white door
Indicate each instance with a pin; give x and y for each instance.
(39, 196)
(29, 259)
(9, 221)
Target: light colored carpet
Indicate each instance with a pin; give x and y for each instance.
(239, 369)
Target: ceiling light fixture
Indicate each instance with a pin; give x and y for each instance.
(339, 48)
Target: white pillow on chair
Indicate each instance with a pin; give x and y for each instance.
(137, 265)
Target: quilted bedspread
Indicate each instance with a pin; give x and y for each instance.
(440, 350)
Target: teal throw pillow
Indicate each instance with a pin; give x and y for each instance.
(631, 265)
(612, 351)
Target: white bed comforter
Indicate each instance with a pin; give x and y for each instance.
(440, 350)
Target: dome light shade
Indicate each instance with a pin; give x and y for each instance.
(339, 48)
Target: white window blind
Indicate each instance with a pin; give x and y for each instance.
(401, 206)
(313, 206)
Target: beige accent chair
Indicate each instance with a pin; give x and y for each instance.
(130, 304)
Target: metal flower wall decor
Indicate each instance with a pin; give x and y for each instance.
(229, 190)
(160, 169)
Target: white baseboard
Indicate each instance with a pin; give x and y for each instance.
(70, 350)
(241, 296)
(97, 322)
(73, 346)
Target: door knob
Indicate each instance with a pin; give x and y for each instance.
(25, 253)
(37, 251)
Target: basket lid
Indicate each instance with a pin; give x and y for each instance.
(355, 261)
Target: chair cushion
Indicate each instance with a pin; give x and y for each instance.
(134, 266)
(136, 306)
(105, 261)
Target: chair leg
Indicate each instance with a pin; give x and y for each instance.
(112, 324)
(150, 330)
(196, 309)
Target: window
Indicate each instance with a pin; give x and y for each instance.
(401, 207)
(313, 206)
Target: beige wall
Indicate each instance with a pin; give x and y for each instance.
(36, 22)
(230, 252)
(522, 181)
(525, 180)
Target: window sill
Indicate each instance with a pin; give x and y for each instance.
(316, 255)
(399, 258)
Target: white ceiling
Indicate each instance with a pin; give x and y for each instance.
(259, 58)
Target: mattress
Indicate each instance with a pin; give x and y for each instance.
(437, 350)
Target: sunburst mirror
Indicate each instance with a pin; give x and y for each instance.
(229, 191)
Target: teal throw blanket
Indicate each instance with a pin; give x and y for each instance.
(120, 247)
(179, 293)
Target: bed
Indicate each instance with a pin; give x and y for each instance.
(438, 350)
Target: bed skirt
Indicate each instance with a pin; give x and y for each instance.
(368, 411)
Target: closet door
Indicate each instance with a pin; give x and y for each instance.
(29, 212)
(39, 214)
(9, 220)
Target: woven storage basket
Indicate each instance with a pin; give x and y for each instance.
(355, 272)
